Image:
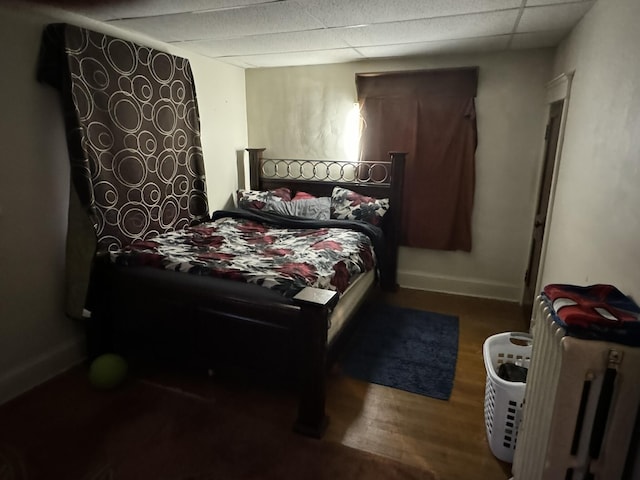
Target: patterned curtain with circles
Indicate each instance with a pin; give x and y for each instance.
(133, 135)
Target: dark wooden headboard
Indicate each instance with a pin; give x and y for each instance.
(375, 178)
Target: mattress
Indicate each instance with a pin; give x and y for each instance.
(349, 302)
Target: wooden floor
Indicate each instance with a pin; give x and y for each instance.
(447, 437)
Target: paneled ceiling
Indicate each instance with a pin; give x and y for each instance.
(271, 33)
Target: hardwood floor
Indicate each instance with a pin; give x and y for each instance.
(447, 437)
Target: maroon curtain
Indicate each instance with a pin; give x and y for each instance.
(431, 115)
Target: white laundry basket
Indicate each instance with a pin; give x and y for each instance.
(503, 399)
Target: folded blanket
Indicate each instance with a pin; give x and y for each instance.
(595, 312)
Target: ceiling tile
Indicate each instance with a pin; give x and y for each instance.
(336, 13)
(285, 16)
(150, 8)
(273, 43)
(549, 38)
(444, 28)
(484, 44)
(535, 3)
(302, 58)
(236, 62)
(553, 17)
(266, 33)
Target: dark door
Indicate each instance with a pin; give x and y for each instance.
(551, 145)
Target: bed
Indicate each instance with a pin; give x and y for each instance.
(221, 323)
(137, 174)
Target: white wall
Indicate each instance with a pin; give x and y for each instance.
(36, 339)
(594, 235)
(300, 112)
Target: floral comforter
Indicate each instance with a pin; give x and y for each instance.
(240, 246)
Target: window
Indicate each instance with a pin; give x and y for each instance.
(431, 115)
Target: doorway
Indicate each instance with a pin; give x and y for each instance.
(552, 135)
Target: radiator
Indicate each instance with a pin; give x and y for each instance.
(580, 405)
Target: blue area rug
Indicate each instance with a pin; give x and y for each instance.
(408, 349)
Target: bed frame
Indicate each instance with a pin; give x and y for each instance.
(217, 322)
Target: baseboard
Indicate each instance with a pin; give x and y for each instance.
(460, 286)
(41, 368)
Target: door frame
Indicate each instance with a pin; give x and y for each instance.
(557, 89)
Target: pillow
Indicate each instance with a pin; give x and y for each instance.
(302, 196)
(258, 199)
(348, 205)
(316, 208)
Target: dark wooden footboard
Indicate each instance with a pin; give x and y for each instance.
(217, 324)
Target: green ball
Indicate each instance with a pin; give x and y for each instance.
(107, 371)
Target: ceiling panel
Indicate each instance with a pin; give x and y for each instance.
(337, 13)
(534, 3)
(474, 45)
(240, 62)
(537, 39)
(149, 8)
(258, 33)
(273, 43)
(300, 58)
(553, 17)
(444, 28)
(285, 16)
